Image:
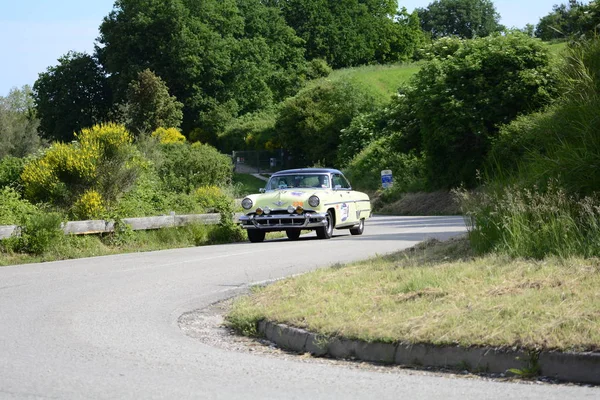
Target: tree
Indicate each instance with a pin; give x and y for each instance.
(463, 18)
(351, 32)
(71, 96)
(219, 58)
(18, 124)
(149, 105)
(309, 124)
(572, 19)
(460, 101)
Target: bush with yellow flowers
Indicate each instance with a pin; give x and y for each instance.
(89, 206)
(103, 160)
(168, 135)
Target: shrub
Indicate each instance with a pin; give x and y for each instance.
(40, 232)
(211, 198)
(13, 209)
(318, 68)
(168, 135)
(103, 159)
(461, 100)
(186, 167)
(89, 206)
(10, 171)
(253, 131)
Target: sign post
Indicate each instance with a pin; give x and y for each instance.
(386, 178)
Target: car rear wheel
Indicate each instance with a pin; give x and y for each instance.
(326, 232)
(293, 234)
(359, 229)
(255, 235)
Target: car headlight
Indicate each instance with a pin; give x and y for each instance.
(247, 203)
(314, 201)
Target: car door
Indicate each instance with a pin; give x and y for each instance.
(345, 207)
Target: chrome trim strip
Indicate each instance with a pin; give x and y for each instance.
(349, 201)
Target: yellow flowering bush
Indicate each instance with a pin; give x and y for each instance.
(60, 167)
(168, 135)
(89, 206)
(102, 161)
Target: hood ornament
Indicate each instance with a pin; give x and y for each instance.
(279, 203)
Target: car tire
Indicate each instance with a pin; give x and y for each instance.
(359, 229)
(326, 232)
(255, 235)
(293, 234)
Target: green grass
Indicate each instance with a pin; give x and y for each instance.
(382, 81)
(557, 48)
(246, 184)
(72, 246)
(440, 294)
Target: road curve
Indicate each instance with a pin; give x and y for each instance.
(106, 327)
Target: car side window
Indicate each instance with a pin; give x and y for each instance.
(339, 182)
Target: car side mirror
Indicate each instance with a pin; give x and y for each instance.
(337, 187)
(262, 190)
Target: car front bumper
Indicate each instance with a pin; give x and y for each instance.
(276, 222)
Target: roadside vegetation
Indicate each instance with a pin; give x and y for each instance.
(513, 136)
(50, 244)
(504, 119)
(440, 293)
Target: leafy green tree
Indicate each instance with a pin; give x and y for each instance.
(463, 18)
(461, 101)
(572, 19)
(149, 105)
(309, 124)
(18, 124)
(351, 32)
(71, 96)
(219, 58)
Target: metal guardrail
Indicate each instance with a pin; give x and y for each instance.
(136, 224)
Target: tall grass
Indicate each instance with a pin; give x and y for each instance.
(533, 222)
(548, 204)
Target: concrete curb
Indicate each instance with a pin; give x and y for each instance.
(573, 367)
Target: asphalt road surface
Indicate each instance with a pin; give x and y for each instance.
(106, 327)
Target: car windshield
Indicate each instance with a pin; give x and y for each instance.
(316, 181)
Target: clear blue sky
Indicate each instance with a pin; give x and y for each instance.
(34, 33)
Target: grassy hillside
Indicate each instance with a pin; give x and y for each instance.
(381, 81)
(557, 48)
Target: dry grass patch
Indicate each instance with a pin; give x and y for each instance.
(439, 293)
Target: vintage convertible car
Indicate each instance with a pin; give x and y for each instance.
(305, 199)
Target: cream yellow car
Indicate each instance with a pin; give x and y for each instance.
(305, 199)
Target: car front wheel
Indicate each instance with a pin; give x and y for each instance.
(359, 229)
(255, 235)
(326, 232)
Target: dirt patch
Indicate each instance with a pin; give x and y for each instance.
(421, 203)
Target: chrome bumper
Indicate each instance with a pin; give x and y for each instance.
(277, 222)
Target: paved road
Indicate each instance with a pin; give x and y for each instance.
(106, 328)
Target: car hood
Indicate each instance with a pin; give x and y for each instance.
(283, 198)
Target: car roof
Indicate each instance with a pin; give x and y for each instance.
(308, 171)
